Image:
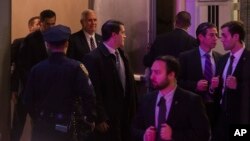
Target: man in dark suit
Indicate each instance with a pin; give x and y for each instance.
(197, 71)
(112, 78)
(174, 42)
(170, 113)
(85, 40)
(232, 71)
(19, 116)
(33, 25)
(34, 49)
(53, 87)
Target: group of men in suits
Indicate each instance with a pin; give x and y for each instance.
(218, 79)
(184, 114)
(108, 69)
(114, 88)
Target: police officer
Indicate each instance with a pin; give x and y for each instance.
(52, 88)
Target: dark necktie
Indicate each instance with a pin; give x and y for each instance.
(161, 117)
(230, 67)
(119, 69)
(229, 72)
(92, 44)
(118, 63)
(208, 73)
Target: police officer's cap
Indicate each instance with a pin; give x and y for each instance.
(57, 33)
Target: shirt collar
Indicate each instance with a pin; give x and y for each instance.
(238, 53)
(202, 52)
(168, 96)
(87, 35)
(110, 49)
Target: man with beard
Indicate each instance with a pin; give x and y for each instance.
(170, 112)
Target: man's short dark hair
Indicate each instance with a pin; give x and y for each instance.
(183, 19)
(109, 27)
(45, 14)
(202, 29)
(172, 64)
(236, 27)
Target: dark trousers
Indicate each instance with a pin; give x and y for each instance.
(46, 131)
(19, 119)
(211, 113)
(221, 130)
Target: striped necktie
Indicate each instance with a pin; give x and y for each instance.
(208, 73)
(92, 44)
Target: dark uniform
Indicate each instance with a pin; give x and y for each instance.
(51, 90)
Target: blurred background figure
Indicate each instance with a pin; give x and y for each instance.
(19, 116)
(174, 42)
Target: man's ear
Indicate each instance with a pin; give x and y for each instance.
(171, 75)
(82, 23)
(200, 36)
(113, 34)
(236, 36)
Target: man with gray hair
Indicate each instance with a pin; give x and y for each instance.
(85, 40)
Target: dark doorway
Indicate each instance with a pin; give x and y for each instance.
(164, 16)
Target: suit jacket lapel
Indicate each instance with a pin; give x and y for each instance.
(176, 101)
(197, 56)
(98, 39)
(215, 56)
(84, 41)
(151, 108)
(237, 72)
(111, 59)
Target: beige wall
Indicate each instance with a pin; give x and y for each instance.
(68, 13)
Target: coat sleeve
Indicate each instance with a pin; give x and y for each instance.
(199, 129)
(85, 90)
(93, 67)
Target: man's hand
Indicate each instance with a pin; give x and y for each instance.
(231, 82)
(166, 132)
(150, 134)
(215, 82)
(102, 127)
(202, 85)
